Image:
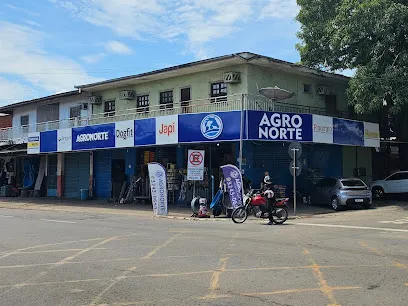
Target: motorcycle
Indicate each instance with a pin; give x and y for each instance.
(255, 204)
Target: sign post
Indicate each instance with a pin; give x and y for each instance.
(295, 150)
(195, 167)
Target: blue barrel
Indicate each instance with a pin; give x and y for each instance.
(84, 194)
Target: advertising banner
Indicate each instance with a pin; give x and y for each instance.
(124, 134)
(64, 140)
(322, 129)
(205, 127)
(348, 132)
(158, 187)
(233, 180)
(33, 143)
(48, 141)
(276, 126)
(167, 129)
(145, 132)
(195, 165)
(93, 137)
(371, 135)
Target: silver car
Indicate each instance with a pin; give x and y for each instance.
(341, 192)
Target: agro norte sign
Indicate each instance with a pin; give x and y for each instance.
(279, 126)
(93, 137)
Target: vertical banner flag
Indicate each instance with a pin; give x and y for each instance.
(233, 180)
(158, 187)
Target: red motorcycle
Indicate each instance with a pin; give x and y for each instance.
(255, 204)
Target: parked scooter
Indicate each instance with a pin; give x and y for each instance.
(256, 204)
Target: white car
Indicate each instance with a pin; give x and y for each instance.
(395, 183)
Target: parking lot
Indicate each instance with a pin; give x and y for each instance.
(67, 258)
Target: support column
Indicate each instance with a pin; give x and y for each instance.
(91, 173)
(130, 163)
(180, 162)
(60, 175)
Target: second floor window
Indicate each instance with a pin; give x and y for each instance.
(109, 108)
(24, 120)
(142, 103)
(219, 92)
(166, 99)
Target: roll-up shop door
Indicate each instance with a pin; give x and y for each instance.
(76, 174)
(103, 174)
(52, 176)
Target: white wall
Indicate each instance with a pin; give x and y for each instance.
(30, 110)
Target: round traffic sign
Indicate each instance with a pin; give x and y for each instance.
(196, 158)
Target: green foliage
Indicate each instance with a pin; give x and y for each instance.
(370, 36)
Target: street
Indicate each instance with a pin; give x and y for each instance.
(353, 257)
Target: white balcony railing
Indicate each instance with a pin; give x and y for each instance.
(225, 103)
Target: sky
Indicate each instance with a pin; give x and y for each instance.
(49, 46)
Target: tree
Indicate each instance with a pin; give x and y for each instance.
(370, 36)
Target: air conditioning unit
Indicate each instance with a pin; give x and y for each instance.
(323, 90)
(84, 106)
(97, 100)
(232, 77)
(128, 95)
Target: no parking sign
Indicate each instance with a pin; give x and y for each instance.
(195, 165)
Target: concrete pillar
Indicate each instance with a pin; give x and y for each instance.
(60, 175)
(91, 173)
(180, 161)
(130, 163)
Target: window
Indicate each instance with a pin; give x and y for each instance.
(24, 120)
(219, 92)
(142, 103)
(326, 182)
(166, 99)
(353, 183)
(75, 112)
(307, 88)
(109, 108)
(398, 176)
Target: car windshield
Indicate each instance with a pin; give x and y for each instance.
(353, 183)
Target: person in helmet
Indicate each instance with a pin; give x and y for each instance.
(269, 193)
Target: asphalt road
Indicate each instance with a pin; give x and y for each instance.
(62, 258)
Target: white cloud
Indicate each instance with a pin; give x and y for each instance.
(118, 47)
(93, 58)
(21, 9)
(23, 57)
(198, 22)
(11, 92)
(32, 23)
(280, 9)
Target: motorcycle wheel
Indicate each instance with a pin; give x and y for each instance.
(280, 215)
(239, 215)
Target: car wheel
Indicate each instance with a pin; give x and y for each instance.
(378, 193)
(309, 200)
(335, 204)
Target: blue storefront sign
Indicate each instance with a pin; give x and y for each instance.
(48, 141)
(348, 132)
(205, 127)
(145, 132)
(277, 126)
(93, 137)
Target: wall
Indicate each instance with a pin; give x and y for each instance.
(69, 102)
(266, 77)
(357, 157)
(31, 111)
(198, 82)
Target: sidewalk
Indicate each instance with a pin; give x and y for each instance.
(146, 211)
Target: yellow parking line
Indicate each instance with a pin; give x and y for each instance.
(158, 248)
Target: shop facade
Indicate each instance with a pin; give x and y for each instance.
(100, 157)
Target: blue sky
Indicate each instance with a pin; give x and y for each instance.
(48, 46)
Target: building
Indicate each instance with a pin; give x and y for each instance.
(213, 105)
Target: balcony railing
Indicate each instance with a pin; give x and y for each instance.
(219, 104)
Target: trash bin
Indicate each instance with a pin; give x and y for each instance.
(84, 194)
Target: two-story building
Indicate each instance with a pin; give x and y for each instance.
(213, 105)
